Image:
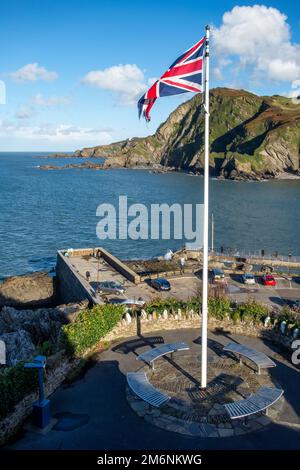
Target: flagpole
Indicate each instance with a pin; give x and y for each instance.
(205, 220)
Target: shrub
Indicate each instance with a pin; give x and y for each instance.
(90, 326)
(235, 316)
(252, 311)
(159, 305)
(218, 307)
(45, 348)
(15, 383)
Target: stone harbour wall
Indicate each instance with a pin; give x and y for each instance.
(72, 286)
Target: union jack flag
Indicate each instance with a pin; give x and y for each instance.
(184, 75)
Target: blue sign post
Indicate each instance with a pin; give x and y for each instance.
(41, 407)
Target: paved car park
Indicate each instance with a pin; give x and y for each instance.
(187, 285)
(286, 290)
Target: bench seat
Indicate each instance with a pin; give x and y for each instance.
(261, 360)
(259, 401)
(140, 385)
(155, 353)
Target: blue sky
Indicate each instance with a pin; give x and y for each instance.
(48, 50)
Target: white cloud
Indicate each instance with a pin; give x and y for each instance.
(294, 93)
(39, 100)
(24, 112)
(126, 80)
(31, 73)
(217, 73)
(55, 133)
(259, 37)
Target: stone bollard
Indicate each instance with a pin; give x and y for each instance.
(179, 313)
(159, 317)
(295, 333)
(154, 315)
(143, 314)
(267, 321)
(128, 318)
(165, 315)
(150, 317)
(282, 327)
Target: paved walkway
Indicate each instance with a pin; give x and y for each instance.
(94, 414)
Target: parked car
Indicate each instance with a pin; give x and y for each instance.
(248, 278)
(129, 303)
(217, 275)
(268, 280)
(108, 287)
(160, 284)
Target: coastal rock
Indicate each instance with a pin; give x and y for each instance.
(40, 324)
(19, 346)
(31, 290)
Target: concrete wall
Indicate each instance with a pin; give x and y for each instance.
(120, 267)
(72, 286)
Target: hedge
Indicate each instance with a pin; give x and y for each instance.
(218, 307)
(15, 383)
(90, 326)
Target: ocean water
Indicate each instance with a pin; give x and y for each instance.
(43, 211)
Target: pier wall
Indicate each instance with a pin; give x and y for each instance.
(72, 286)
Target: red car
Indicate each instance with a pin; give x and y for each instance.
(268, 280)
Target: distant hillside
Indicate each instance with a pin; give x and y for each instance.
(251, 137)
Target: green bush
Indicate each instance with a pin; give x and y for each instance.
(219, 307)
(235, 316)
(15, 383)
(252, 311)
(90, 326)
(45, 348)
(172, 305)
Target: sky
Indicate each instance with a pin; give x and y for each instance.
(73, 70)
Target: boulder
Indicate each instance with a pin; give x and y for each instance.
(28, 291)
(41, 324)
(19, 346)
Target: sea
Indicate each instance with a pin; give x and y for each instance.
(43, 211)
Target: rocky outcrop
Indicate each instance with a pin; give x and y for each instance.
(251, 137)
(24, 330)
(18, 345)
(31, 290)
(79, 166)
(41, 324)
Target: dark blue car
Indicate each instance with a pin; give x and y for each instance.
(161, 284)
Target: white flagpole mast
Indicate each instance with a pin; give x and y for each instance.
(205, 221)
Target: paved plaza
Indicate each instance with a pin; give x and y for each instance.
(94, 413)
